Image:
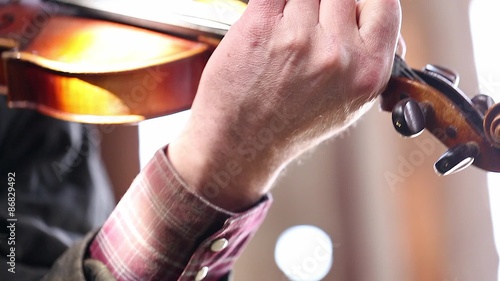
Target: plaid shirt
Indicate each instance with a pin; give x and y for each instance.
(161, 230)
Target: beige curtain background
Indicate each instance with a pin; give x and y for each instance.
(390, 217)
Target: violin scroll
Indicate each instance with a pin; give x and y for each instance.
(430, 99)
(492, 125)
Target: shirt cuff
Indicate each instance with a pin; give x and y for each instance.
(163, 230)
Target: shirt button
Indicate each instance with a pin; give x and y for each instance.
(202, 273)
(219, 245)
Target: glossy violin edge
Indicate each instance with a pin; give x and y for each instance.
(112, 97)
(94, 46)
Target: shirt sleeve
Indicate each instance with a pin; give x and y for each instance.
(162, 230)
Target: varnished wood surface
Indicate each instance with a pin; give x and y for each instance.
(95, 71)
(443, 118)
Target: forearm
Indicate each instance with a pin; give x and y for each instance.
(230, 175)
(163, 230)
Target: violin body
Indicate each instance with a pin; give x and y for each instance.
(94, 71)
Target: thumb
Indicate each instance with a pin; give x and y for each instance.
(379, 23)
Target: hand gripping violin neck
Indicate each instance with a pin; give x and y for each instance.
(430, 99)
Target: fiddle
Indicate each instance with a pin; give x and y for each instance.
(94, 71)
(430, 99)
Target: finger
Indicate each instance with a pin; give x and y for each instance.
(266, 7)
(257, 21)
(339, 15)
(379, 24)
(302, 11)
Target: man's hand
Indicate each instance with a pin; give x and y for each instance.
(288, 75)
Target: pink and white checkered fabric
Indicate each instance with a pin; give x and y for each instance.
(161, 230)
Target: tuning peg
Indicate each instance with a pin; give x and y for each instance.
(408, 117)
(443, 73)
(456, 158)
(483, 103)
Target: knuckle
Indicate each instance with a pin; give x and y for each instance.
(293, 42)
(335, 59)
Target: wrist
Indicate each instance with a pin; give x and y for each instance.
(219, 173)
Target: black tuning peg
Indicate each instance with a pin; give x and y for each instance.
(483, 103)
(408, 117)
(457, 158)
(442, 73)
